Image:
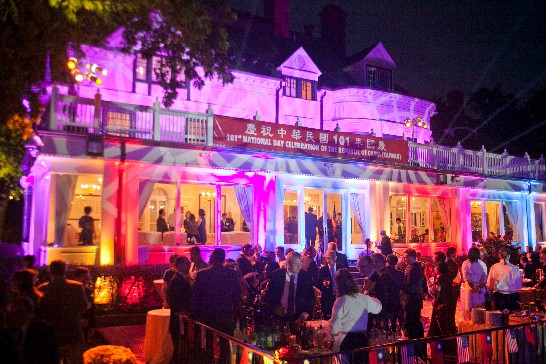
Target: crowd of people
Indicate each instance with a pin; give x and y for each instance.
(284, 285)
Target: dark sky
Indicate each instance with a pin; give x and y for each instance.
(440, 46)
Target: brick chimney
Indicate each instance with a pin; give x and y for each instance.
(332, 26)
(278, 11)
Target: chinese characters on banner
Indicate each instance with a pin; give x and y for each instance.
(242, 133)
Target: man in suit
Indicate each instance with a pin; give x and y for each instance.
(245, 266)
(341, 259)
(289, 294)
(216, 294)
(381, 285)
(34, 338)
(63, 305)
(386, 246)
(310, 228)
(412, 298)
(398, 276)
(326, 282)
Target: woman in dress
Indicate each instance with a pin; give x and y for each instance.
(475, 277)
(349, 320)
(202, 223)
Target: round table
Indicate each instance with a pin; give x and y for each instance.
(158, 345)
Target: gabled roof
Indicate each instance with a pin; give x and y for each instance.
(376, 55)
(300, 65)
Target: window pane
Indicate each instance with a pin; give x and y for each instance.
(290, 217)
(87, 192)
(290, 87)
(306, 90)
(476, 220)
(492, 217)
(539, 220)
(333, 208)
(314, 199)
(419, 219)
(141, 68)
(156, 64)
(371, 76)
(510, 219)
(398, 213)
(230, 206)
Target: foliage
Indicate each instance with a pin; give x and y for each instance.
(492, 247)
(12, 149)
(109, 354)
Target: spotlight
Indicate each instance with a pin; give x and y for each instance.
(96, 69)
(77, 75)
(93, 78)
(72, 63)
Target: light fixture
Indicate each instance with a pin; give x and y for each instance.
(91, 189)
(416, 122)
(475, 204)
(71, 63)
(96, 69)
(306, 200)
(208, 196)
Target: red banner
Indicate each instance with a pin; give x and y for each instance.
(252, 134)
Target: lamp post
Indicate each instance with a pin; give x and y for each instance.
(412, 123)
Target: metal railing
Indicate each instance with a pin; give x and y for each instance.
(73, 114)
(521, 343)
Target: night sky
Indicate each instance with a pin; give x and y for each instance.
(440, 46)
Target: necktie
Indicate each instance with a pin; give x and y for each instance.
(333, 276)
(291, 297)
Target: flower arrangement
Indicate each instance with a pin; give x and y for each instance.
(109, 354)
(286, 355)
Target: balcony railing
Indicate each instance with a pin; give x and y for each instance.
(73, 114)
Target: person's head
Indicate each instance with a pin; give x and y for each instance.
(345, 283)
(201, 212)
(365, 265)
(523, 260)
(492, 234)
(535, 258)
(378, 261)
(162, 212)
(398, 220)
(224, 216)
(57, 268)
(87, 210)
(504, 254)
(439, 257)
(217, 256)
(473, 254)
(382, 233)
(192, 217)
(543, 254)
(410, 256)
(251, 279)
(257, 250)
(339, 215)
(172, 259)
(23, 280)
(306, 261)
(279, 251)
(451, 252)
(182, 264)
(442, 268)
(188, 214)
(392, 260)
(28, 261)
(310, 251)
(246, 249)
(82, 274)
(332, 246)
(330, 257)
(288, 251)
(269, 268)
(293, 264)
(231, 264)
(538, 248)
(195, 254)
(419, 256)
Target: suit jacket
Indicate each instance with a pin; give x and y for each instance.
(310, 224)
(412, 289)
(63, 304)
(341, 261)
(305, 296)
(327, 294)
(386, 246)
(216, 292)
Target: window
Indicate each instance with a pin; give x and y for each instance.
(158, 201)
(145, 71)
(306, 90)
(398, 213)
(118, 123)
(372, 71)
(385, 79)
(540, 221)
(290, 88)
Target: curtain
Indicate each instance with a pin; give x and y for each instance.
(538, 222)
(245, 198)
(65, 185)
(357, 206)
(514, 216)
(445, 213)
(145, 189)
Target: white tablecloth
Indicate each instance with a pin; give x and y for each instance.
(158, 345)
(235, 238)
(158, 284)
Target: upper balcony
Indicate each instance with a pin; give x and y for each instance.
(72, 114)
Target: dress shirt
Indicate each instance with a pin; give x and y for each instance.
(333, 276)
(284, 298)
(504, 278)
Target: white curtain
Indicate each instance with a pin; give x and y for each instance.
(65, 185)
(357, 206)
(245, 198)
(514, 216)
(445, 213)
(145, 189)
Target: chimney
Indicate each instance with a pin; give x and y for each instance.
(278, 11)
(332, 26)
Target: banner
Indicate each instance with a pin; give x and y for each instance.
(270, 137)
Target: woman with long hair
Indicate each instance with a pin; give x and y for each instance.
(202, 223)
(349, 320)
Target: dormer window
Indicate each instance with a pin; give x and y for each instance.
(144, 71)
(379, 78)
(299, 88)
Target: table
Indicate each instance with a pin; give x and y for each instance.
(158, 345)
(235, 238)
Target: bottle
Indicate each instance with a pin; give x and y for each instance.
(398, 334)
(277, 336)
(320, 337)
(261, 338)
(373, 334)
(237, 333)
(269, 341)
(382, 334)
(390, 333)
